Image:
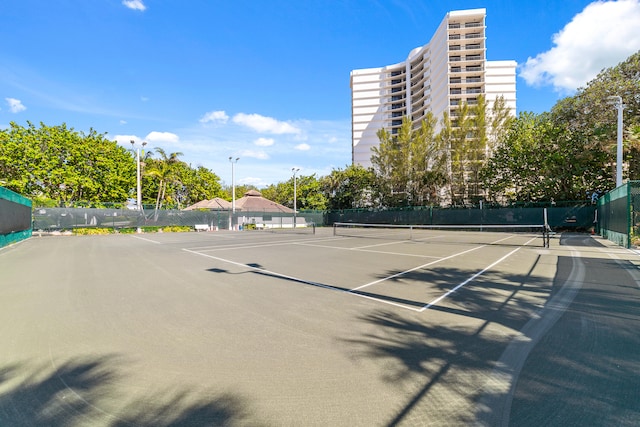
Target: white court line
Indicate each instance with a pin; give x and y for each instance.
(470, 279)
(633, 272)
(367, 250)
(257, 245)
(308, 282)
(393, 276)
(396, 242)
(146, 240)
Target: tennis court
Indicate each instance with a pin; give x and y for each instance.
(260, 328)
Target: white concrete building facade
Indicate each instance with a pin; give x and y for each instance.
(436, 77)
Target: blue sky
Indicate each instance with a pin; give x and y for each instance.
(268, 81)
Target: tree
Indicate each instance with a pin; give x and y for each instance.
(164, 170)
(309, 194)
(409, 166)
(349, 188)
(541, 160)
(591, 112)
(61, 164)
(193, 185)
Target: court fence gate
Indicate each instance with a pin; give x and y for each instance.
(618, 214)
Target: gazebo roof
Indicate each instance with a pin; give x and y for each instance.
(254, 202)
(213, 204)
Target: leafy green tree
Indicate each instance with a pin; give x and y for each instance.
(541, 160)
(409, 166)
(349, 188)
(592, 113)
(309, 193)
(192, 185)
(59, 163)
(165, 172)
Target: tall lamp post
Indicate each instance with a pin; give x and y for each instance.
(295, 196)
(617, 102)
(138, 176)
(233, 189)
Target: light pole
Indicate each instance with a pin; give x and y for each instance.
(233, 189)
(138, 176)
(620, 106)
(295, 196)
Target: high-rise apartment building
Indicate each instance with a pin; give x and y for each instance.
(436, 77)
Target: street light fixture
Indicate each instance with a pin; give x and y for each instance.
(138, 175)
(295, 195)
(233, 189)
(620, 106)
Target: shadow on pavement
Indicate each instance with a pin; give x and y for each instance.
(72, 395)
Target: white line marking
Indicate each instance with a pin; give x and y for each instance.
(147, 240)
(396, 242)
(255, 245)
(366, 250)
(451, 291)
(284, 276)
(417, 268)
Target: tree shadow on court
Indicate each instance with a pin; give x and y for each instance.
(508, 299)
(430, 351)
(576, 362)
(71, 394)
(586, 369)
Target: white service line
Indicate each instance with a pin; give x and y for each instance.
(147, 240)
(417, 268)
(256, 245)
(367, 250)
(451, 291)
(308, 282)
(394, 243)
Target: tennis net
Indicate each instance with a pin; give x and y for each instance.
(514, 234)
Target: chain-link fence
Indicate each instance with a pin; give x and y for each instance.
(577, 217)
(52, 219)
(619, 214)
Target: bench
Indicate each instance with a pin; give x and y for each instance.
(201, 227)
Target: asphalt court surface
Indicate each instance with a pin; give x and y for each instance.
(272, 329)
(395, 272)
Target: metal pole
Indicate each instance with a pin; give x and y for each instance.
(139, 187)
(618, 104)
(233, 190)
(295, 195)
(619, 151)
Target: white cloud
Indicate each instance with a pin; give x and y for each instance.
(125, 140)
(265, 124)
(264, 142)
(134, 4)
(215, 116)
(256, 154)
(163, 137)
(604, 34)
(123, 122)
(303, 147)
(15, 105)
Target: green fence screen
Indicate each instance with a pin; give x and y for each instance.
(15, 217)
(619, 214)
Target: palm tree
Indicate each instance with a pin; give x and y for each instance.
(163, 170)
